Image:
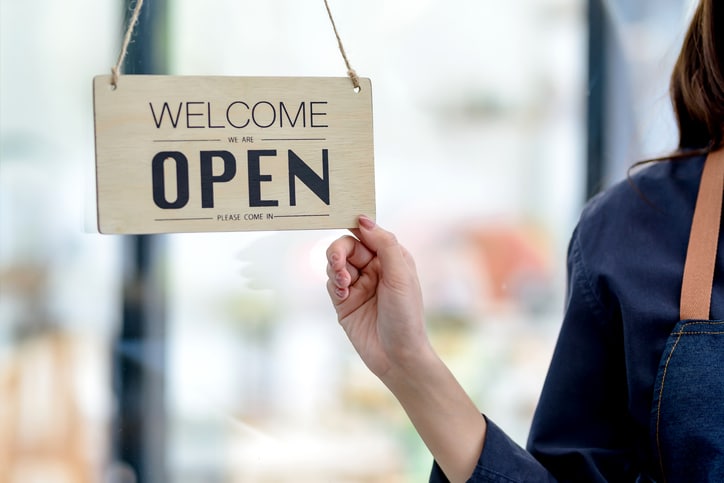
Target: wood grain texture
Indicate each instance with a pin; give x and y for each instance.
(277, 132)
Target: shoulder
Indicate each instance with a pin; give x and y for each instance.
(660, 187)
(660, 194)
(635, 233)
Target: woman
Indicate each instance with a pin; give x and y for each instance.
(632, 393)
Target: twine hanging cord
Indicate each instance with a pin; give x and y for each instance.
(116, 69)
(350, 71)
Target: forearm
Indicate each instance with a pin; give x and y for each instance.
(443, 414)
(374, 287)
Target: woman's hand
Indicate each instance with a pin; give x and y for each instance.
(374, 287)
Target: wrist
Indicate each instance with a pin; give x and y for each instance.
(413, 371)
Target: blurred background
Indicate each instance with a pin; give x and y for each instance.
(217, 357)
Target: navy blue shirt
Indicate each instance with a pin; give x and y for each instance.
(625, 266)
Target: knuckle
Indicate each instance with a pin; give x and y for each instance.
(389, 239)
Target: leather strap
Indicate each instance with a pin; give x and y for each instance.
(703, 240)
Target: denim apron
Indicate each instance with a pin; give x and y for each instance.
(688, 404)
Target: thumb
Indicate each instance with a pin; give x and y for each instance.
(391, 255)
(373, 236)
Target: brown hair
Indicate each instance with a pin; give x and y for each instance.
(697, 88)
(697, 81)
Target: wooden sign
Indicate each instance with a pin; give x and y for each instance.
(204, 154)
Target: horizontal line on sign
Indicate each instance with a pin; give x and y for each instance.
(181, 219)
(294, 139)
(297, 216)
(184, 140)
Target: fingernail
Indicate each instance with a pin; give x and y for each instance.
(340, 292)
(366, 222)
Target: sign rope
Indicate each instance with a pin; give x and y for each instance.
(350, 71)
(116, 69)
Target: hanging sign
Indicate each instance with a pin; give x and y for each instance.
(205, 154)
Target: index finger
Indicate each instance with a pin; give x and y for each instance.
(348, 250)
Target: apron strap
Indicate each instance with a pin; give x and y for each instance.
(701, 254)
